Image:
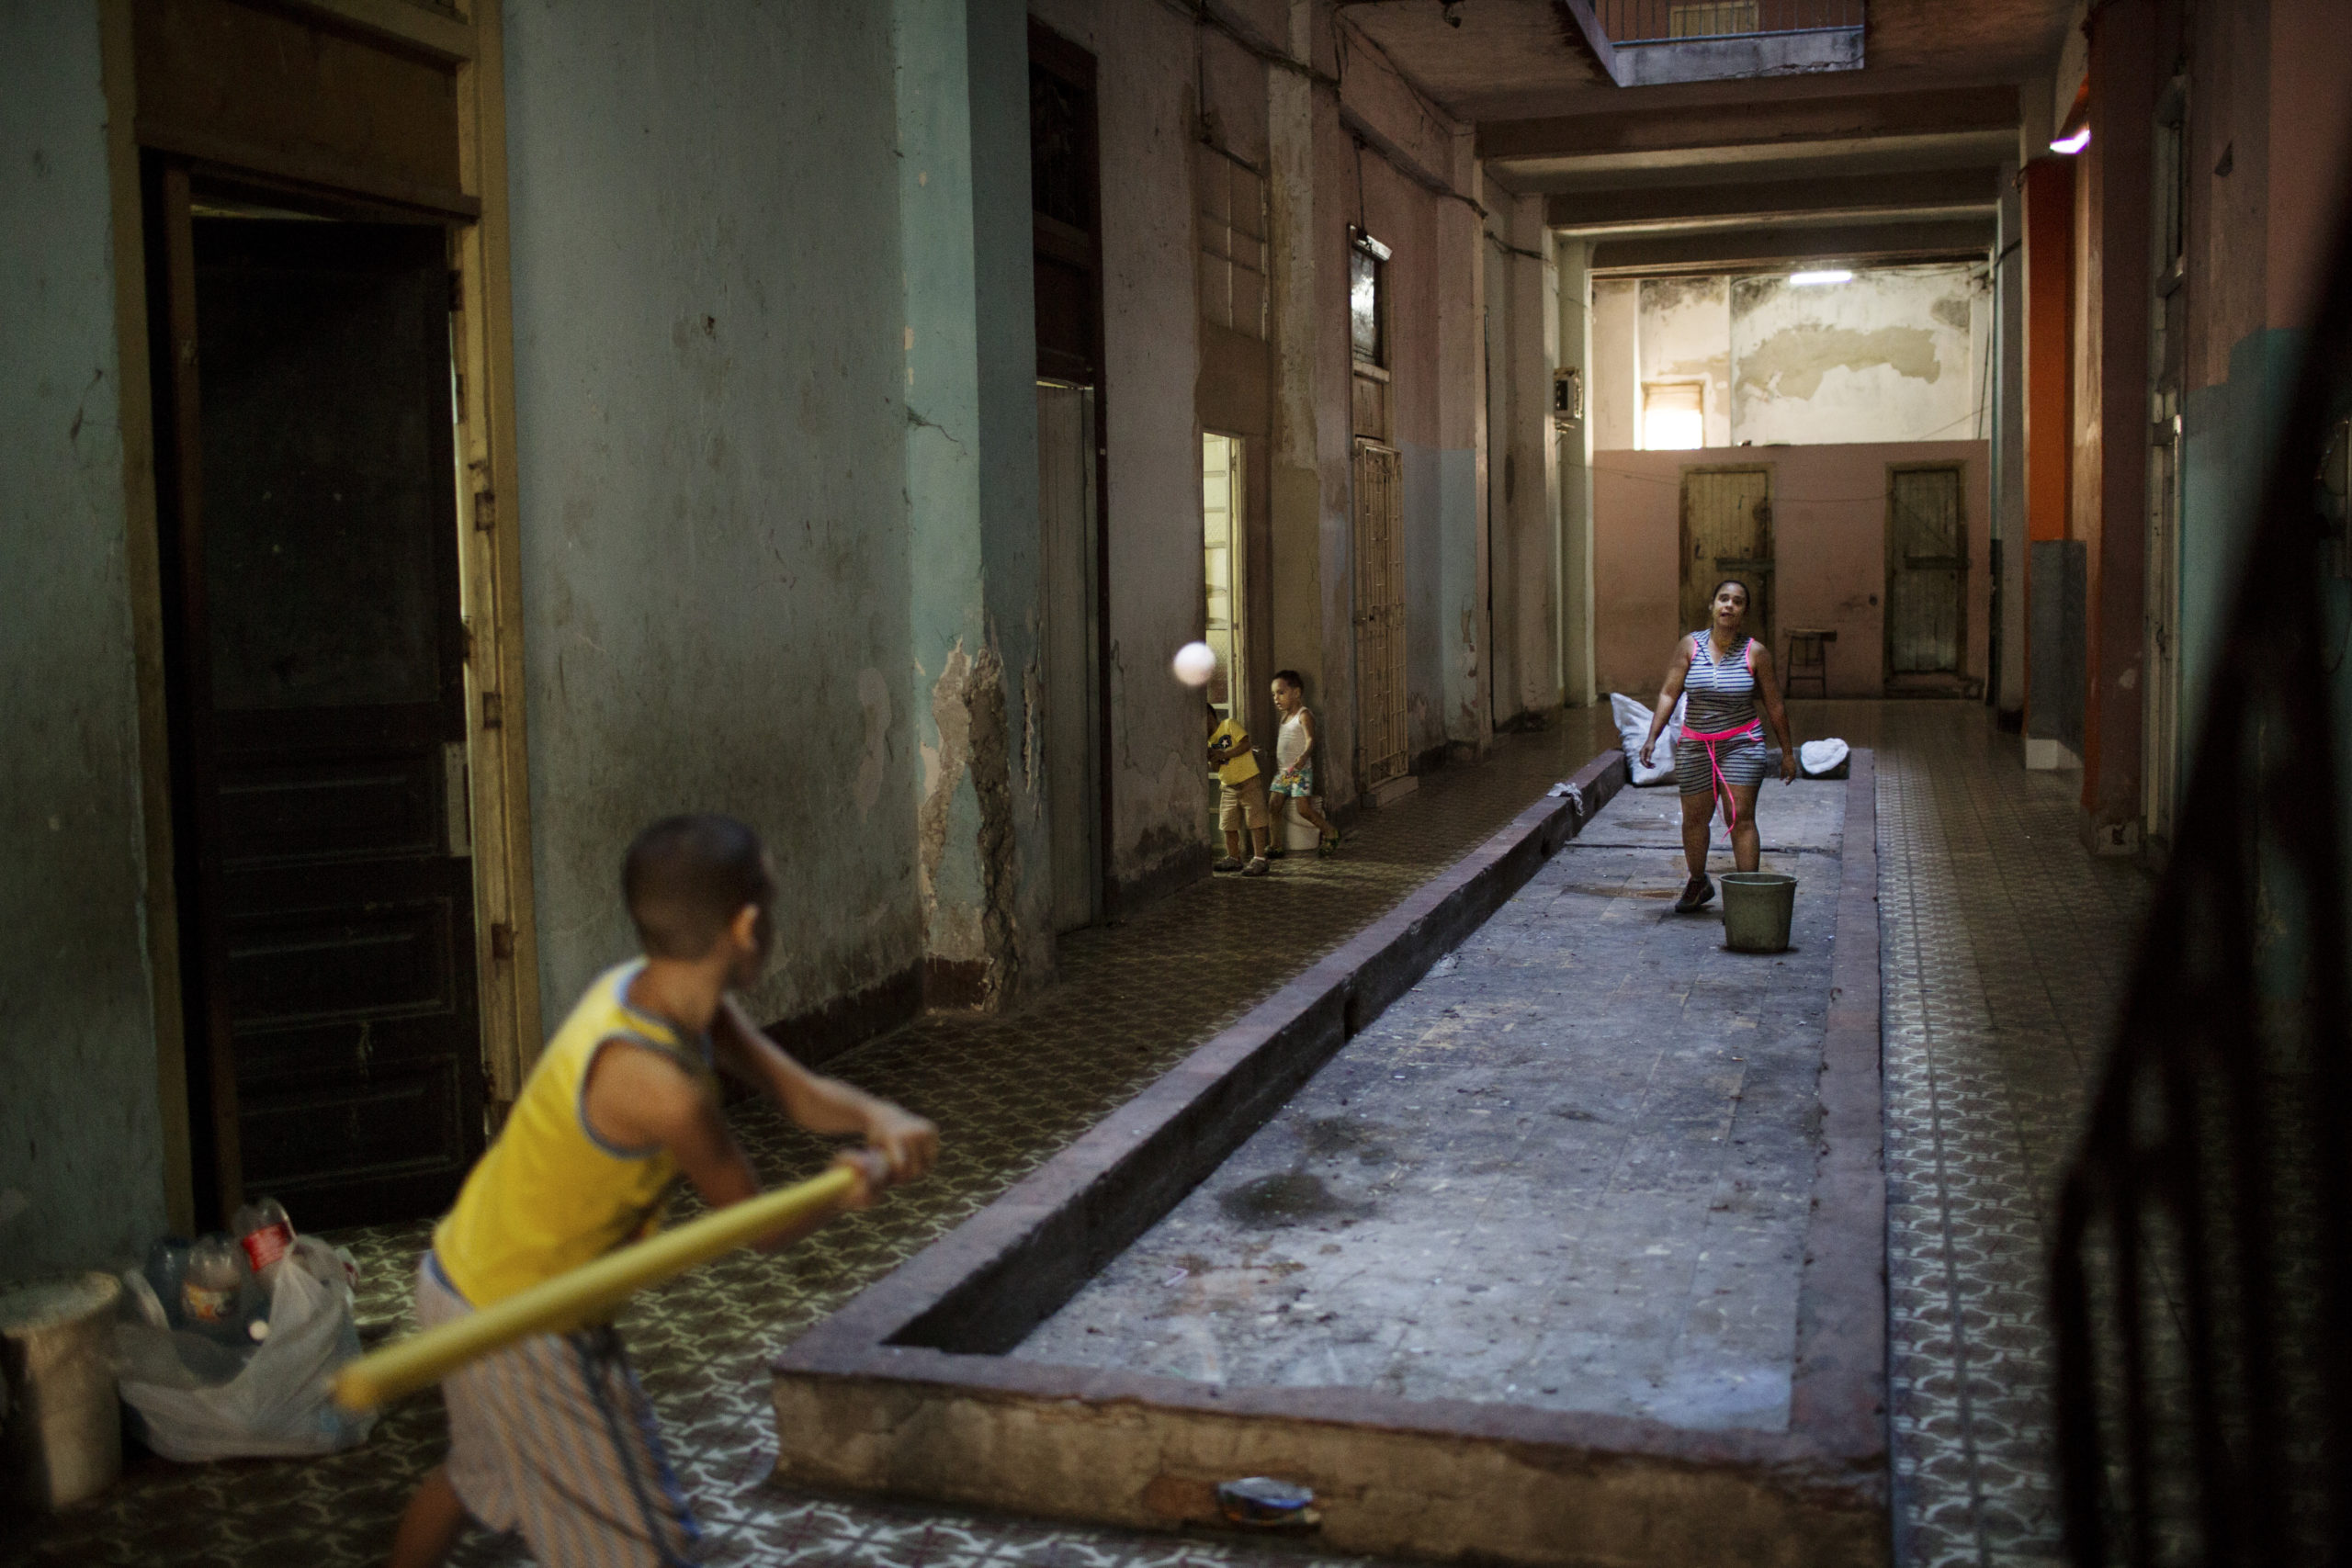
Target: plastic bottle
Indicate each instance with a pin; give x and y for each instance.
(266, 1233)
(166, 1270)
(210, 1288)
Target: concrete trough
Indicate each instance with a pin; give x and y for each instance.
(911, 1390)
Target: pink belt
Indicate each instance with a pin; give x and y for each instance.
(1754, 727)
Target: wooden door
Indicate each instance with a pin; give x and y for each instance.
(1066, 529)
(1926, 572)
(319, 711)
(1727, 532)
(1383, 749)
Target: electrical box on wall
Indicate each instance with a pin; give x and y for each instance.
(1567, 395)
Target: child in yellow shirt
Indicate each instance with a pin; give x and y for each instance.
(1241, 796)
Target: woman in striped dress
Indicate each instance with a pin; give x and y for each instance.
(1721, 752)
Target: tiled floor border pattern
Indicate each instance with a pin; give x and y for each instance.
(2006, 944)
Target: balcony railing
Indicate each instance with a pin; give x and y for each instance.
(1661, 21)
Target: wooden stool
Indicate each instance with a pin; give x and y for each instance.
(1808, 661)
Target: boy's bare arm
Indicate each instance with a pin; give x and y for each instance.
(1307, 727)
(637, 1099)
(820, 1103)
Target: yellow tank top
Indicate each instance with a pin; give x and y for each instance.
(1244, 765)
(550, 1194)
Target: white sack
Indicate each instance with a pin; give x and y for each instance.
(1633, 724)
(196, 1399)
(1820, 757)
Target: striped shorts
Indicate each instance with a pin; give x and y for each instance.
(553, 1437)
(1742, 762)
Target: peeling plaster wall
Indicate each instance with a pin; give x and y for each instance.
(713, 444)
(80, 1126)
(1683, 333)
(1897, 354)
(966, 242)
(1829, 526)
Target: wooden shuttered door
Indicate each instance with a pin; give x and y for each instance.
(1927, 571)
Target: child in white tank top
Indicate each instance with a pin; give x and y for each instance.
(1294, 757)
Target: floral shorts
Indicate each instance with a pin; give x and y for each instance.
(1298, 779)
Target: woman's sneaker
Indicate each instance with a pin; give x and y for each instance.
(1696, 892)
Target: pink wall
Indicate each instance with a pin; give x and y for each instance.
(1829, 526)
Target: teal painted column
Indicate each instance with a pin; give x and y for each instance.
(2229, 432)
(84, 1141)
(971, 346)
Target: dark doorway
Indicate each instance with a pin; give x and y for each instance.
(316, 661)
(1072, 458)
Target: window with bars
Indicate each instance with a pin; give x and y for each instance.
(1232, 206)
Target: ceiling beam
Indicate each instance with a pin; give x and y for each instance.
(1813, 119)
(1920, 194)
(1762, 249)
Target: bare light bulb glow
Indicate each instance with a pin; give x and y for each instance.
(1815, 279)
(2070, 145)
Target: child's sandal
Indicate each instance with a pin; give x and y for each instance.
(1331, 844)
(1257, 867)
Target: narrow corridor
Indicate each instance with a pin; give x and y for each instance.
(2003, 945)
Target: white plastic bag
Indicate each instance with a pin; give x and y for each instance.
(195, 1399)
(1821, 757)
(1633, 725)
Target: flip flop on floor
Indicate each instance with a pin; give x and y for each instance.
(1331, 844)
(1696, 892)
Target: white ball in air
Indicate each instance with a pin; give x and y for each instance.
(1195, 663)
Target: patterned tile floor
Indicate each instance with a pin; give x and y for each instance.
(2003, 948)
(2003, 945)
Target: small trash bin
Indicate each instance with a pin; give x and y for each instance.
(61, 1440)
(1757, 906)
(1299, 836)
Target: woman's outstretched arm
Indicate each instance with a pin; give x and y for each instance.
(1767, 687)
(1667, 694)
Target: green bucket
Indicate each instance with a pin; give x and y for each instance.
(1757, 906)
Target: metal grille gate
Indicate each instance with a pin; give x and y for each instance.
(1380, 617)
(2203, 1273)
